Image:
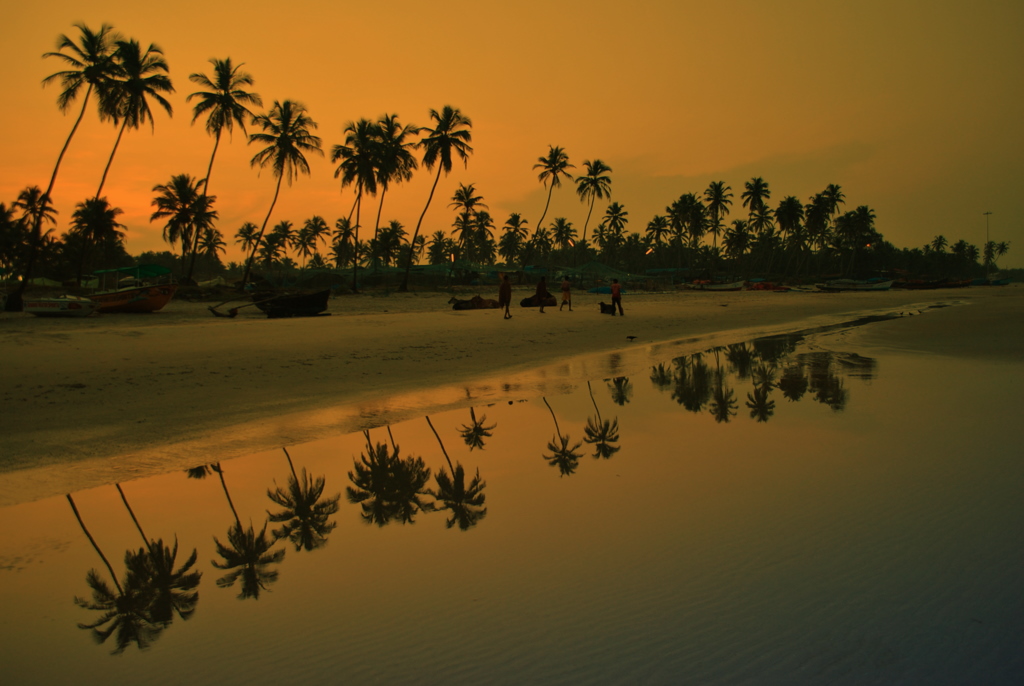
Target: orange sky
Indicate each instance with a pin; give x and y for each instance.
(914, 108)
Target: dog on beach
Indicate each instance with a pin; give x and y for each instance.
(607, 309)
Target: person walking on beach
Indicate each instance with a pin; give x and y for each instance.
(542, 292)
(566, 297)
(505, 295)
(617, 297)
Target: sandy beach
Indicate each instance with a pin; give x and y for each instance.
(129, 395)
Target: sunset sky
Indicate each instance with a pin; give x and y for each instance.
(915, 109)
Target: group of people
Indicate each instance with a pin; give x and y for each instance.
(542, 295)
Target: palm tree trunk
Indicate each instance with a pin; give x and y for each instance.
(412, 244)
(596, 409)
(259, 237)
(551, 190)
(135, 519)
(355, 242)
(94, 545)
(430, 424)
(376, 226)
(557, 430)
(206, 188)
(113, 152)
(589, 212)
(231, 504)
(290, 465)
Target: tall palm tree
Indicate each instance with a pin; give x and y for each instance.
(553, 167)
(396, 162)
(225, 102)
(562, 233)
(658, 229)
(718, 200)
(286, 135)
(450, 137)
(139, 77)
(188, 212)
(592, 186)
(358, 165)
(466, 503)
(246, 236)
(306, 512)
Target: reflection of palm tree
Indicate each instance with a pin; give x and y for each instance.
(761, 408)
(247, 553)
(305, 517)
(386, 486)
(692, 383)
(465, 503)
(661, 377)
(172, 590)
(125, 610)
(475, 434)
(621, 390)
(793, 383)
(563, 456)
(723, 403)
(601, 433)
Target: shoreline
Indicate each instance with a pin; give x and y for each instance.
(127, 395)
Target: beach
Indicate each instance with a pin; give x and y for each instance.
(85, 401)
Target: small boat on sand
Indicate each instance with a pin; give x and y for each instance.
(142, 288)
(710, 286)
(60, 306)
(278, 306)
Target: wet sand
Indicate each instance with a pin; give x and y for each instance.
(140, 394)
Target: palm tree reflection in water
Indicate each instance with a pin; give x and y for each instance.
(385, 486)
(476, 432)
(466, 503)
(305, 517)
(601, 433)
(563, 456)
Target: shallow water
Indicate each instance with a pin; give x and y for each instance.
(784, 510)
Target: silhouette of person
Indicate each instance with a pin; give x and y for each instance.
(505, 295)
(617, 297)
(566, 296)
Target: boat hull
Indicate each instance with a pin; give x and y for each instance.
(849, 285)
(292, 305)
(734, 286)
(59, 307)
(138, 299)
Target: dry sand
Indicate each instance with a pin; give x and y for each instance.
(85, 402)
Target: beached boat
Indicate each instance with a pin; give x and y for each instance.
(277, 306)
(60, 306)
(710, 286)
(855, 285)
(142, 288)
(921, 285)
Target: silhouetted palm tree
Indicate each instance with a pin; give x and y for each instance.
(723, 402)
(466, 503)
(95, 221)
(601, 433)
(552, 167)
(475, 433)
(760, 406)
(305, 517)
(188, 212)
(395, 161)
(718, 200)
(621, 390)
(661, 377)
(286, 137)
(693, 383)
(755, 194)
(139, 77)
(563, 455)
(793, 383)
(594, 185)
(386, 487)
(450, 137)
(36, 209)
(358, 166)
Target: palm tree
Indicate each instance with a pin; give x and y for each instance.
(658, 229)
(286, 137)
(139, 77)
(36, 209)
(212, 243)
(621, 390)
(564, 456)
(723, 403)
(225, 102)
(451, 136)
(475, 433)
(358, 166)
(395, 161)
(466, 503)
(246, 236)
(593, 185)
(718, 200)
(179, 202)
(95, 221)
(562, 233)
(305, 517)
(939, 243)
(755, 194)
(552, 168)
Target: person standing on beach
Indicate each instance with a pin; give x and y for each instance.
(542, 292)
(566, 297)
(617, 297)
(505, 295)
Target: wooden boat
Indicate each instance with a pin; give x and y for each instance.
(920, 285)
(142, 288)
(60, 306)
(855, 285)
(709, 286)
(280, 305)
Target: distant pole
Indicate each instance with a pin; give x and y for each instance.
(987, 261)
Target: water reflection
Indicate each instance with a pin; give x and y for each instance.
(386, 486)
(305, 517)
(466, 503)
(475, 433)
(564, 456)
(601, 433)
